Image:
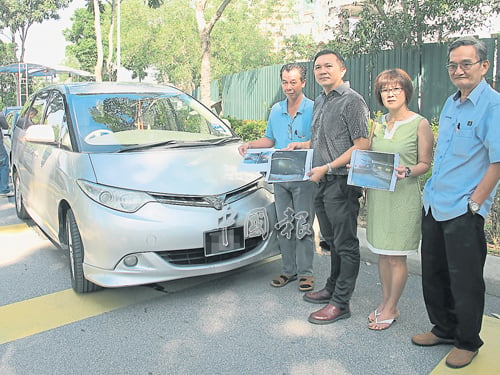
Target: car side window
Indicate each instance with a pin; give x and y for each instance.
(33, 114)
(56, 118)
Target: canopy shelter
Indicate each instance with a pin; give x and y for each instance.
(24, 71)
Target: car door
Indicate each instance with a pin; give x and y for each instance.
(24, 153)
(50, 166)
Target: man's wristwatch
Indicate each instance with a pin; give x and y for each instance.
(473, 206)
(407, 172)
(330, 169)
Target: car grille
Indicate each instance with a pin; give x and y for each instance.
(215, 201)
(197, 256)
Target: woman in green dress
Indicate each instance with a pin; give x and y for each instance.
(393, 222)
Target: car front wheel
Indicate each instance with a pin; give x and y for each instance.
(20, 209)
(75, 250)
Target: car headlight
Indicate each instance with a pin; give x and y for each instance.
(114, 198)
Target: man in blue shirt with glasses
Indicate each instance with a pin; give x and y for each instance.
(457, 198)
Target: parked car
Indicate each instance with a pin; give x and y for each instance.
(139, 183)
(10, 114)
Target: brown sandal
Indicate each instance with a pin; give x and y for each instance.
(282, 280)
(306, 283)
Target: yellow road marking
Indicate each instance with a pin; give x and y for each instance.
(15, 228)
(54, 310)
(487, 360)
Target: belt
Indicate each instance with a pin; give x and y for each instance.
(333, 177)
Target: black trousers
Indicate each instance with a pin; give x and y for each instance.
(337, 208)
(453, 257)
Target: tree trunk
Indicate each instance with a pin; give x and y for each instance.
(205, 70)
(205, 29)
(98, 40)
(110, 66)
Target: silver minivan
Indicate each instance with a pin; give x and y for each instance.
(139, 183)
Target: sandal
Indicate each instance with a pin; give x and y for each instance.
(375, 315)
(306, 283)
(282, 280)
(375, 325)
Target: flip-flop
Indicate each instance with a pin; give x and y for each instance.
(389, 323)
(375, 314)
(306, 283)
(282, 280)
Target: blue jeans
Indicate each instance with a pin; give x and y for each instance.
(337, 208)
(294, 203)
(4, 168)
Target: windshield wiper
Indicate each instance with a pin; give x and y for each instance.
(148, 145)
(226, 140)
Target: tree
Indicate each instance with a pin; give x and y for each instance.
(7, 81)
(20, 15)
(81, 38)
(386, 24)
(298, 47)
(98, 39)
(205, 29)
(239, 42)
(166, 40)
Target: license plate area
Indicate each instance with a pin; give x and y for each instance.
(224, 241)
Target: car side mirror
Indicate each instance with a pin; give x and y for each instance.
(40, 134)
(226, 121)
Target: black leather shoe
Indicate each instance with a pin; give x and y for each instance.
(321, 296)
(328, 314)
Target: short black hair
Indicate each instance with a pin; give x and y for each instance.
(300, 67)
(329, 52)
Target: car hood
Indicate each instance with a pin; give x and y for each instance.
(190, 171)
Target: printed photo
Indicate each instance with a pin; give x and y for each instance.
(256, 159)
(373, 170)
(286, 166)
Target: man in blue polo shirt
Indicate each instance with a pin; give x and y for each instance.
(290, 121)
(457, 198)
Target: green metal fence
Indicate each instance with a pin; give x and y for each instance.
(249, 95)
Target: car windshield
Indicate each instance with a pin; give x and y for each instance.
(118, 122)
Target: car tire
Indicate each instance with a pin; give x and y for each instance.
(75, 251)
(18, 200)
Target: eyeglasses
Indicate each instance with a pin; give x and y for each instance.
(463, 65)
(394, 90)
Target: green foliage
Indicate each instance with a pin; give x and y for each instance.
(18, 16)
(249, 130)
(492, 226)
(387, 24)
(298, 48)
(166, 39)
(7, 81)
(82, 39)
(249, 47)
